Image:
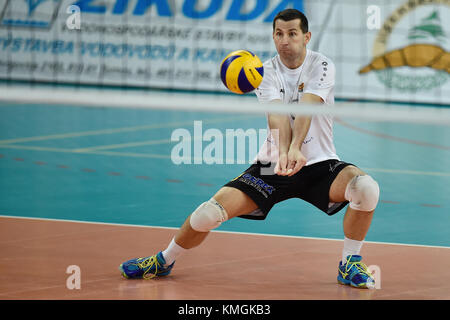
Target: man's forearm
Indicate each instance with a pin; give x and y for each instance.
(302, 123)
(281, 131)
(301, 127)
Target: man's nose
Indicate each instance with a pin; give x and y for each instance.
(284, 40)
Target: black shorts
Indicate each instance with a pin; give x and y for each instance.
(312, 184)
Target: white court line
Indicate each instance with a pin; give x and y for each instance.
(219, 231)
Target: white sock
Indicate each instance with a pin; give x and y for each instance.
(172, 252)
(351, 247)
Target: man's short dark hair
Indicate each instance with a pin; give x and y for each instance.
(292, 14)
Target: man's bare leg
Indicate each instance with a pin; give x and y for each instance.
(363, 194)
(356, 223)
(235, 203)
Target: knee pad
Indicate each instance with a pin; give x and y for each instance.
(209, 215)
(362, 192)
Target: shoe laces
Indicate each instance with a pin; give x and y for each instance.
(359, 265)
(147, 264)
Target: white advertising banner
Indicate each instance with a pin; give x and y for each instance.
(388, 51)
(391, 50)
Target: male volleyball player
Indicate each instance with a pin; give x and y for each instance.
(307, 166)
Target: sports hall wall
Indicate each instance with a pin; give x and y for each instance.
(383, 50)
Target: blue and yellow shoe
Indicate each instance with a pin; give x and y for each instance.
(354, 273)
(145, 268)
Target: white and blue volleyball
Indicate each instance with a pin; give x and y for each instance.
(241, 71)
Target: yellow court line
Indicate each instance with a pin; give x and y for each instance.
(120, 130)
(139, 144)
(136, 144)
(124, 145)
(132, 144)
(61, 150)
(131, 154)
(80, 134)
(104, 153)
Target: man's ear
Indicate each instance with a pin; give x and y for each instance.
(307, 37)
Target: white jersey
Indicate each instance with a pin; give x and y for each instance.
(316, 75)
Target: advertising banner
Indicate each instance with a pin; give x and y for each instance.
(387, 51)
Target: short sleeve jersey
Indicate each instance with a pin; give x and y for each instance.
(317, 76)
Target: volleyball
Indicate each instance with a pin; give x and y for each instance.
(241, 71)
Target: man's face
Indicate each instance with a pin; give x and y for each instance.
(289, 39)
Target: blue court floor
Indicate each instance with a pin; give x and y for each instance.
(115, 166)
